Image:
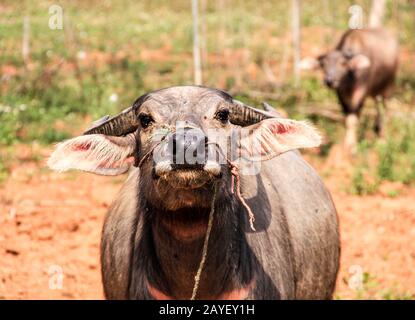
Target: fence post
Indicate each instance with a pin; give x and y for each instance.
(296, 40)
(196, 45)
(377, 11)
(26, 40)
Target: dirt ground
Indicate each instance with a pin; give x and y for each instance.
(50, 228)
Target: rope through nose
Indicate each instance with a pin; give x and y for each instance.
(205, 245)
(236, 185)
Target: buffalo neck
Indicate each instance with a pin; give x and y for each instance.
(177, 240)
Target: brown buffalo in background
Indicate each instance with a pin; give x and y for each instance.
(364, 63)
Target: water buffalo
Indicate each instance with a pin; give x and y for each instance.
(155, 233)
(364, 63)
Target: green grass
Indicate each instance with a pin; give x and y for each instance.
(394, 158)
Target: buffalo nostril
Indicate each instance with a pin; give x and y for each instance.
(328, 81)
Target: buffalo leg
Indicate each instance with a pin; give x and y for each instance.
(351, 107)
(352, 123)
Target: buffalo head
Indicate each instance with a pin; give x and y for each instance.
(183, 139)
(338, 66)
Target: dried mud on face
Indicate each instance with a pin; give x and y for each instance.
(50, 227)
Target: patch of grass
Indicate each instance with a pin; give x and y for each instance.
(30, 109)
(397, 154)
(315, 91)
(387, 157)
(360, 183)
(390, 160)
(393, 193)
(363, 182)
(393, 295)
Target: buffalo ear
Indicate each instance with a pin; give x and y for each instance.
(359, 62)
(309, 63)
(96, 153)
(321, 59)
(271, 137)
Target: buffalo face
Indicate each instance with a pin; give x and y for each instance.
(338, 66)
(180, 129)
(184, 140)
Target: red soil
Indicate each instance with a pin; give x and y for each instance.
(49, 220)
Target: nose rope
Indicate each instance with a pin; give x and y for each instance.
(237, 180)
(236, 185)
(205, 245)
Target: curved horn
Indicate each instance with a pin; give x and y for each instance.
(243, 115)
(119, 125)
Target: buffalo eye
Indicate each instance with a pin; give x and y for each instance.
(223, 115)
(145, 120)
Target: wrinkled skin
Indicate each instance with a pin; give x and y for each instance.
(167, 191)
(154, 231)
(363, 64)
